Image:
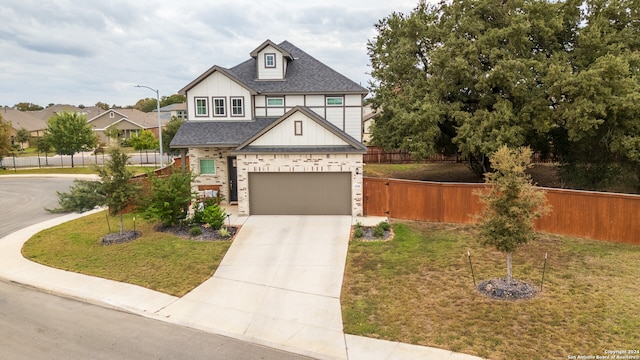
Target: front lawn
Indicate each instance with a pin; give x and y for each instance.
(156, 260)
(418, 289)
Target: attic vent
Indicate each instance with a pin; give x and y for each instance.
(112, 115)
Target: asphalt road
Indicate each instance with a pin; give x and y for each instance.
(35, 325)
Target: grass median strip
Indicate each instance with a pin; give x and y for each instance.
(418, 289)
(158, 261)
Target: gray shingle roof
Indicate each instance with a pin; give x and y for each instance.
(304, 74)
(217, 133)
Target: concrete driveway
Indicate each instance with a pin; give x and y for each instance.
(278, 285)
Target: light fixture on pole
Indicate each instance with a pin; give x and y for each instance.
(159, 124)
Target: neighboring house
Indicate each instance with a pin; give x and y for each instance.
(129, 121)
(277, 134)
(178, 110)
(368, 119)
(22, 119)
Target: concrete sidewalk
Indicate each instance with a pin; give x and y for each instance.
(280, 293)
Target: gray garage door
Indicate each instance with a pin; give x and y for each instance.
(300, 193)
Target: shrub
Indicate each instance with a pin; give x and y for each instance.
(168, 198)
(195, 231)
(358, 232)
(378, 231)
(213, 215)
(384, 225)
(224, 232)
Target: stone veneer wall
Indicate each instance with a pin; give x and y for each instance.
(219, 178)
(300, 163)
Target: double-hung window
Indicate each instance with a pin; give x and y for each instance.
(270, 60)
(219, 106)
(202, 106)
(237, 106)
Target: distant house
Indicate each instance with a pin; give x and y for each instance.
(22, 119)
(368, 119)
(178, 110)
(129, 121)
(279, 133)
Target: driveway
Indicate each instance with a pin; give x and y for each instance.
(278, 285)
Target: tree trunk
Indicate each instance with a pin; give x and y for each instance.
(72, 165)
(121, 223)
(509, 268)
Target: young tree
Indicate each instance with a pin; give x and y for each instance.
(69, 133)
(145, 140)
(22, 136)
(83, 196)
(113, 134)
(512, 203)
(117, 186)
(168, 132)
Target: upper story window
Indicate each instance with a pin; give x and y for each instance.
(237, 106)
(219, 106)
(335, 100)
(202, 107)
(270, 60)
(275, 102)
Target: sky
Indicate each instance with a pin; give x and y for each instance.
(82, 52)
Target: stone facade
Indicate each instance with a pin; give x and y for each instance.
(300, 163)
(220, 177)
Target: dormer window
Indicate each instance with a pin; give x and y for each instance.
(270, 60)
(112, 115)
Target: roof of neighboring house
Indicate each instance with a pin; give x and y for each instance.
(134, 116)
(173, 107)
(304, 74)
(46, 114)
(22, 119)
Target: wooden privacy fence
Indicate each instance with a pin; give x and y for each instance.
(594, 215)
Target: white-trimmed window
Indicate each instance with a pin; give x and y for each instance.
(207, 166)
(202, 106)
(219, 106)
(335, 100)
(270, 60)
(237, 106)
(275, 102)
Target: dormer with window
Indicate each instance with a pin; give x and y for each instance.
(271, 61)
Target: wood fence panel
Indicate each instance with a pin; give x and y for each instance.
(459, 204)
(414, 200)
(594, 215)
(376, 197)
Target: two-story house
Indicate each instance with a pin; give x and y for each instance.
(277, 134)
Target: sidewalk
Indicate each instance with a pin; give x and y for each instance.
(157, 305)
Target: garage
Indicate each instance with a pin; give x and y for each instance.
(303, 193)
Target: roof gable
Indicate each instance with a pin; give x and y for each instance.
(208, 73)
(325, 135)
(267, 43)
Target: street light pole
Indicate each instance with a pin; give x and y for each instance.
(159, 124)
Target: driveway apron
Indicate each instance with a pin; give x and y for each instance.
(279, 284)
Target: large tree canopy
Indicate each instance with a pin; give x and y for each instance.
(470, 76)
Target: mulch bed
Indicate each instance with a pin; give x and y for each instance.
(368, 234)
(501, 289)
(208, 234)
(120, 238)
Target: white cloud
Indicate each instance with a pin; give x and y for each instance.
(80, 52)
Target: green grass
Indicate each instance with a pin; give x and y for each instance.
(418, 288)
(158, 261)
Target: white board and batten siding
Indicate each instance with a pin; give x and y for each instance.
(271, 73)
(219, 85)
(313, 134)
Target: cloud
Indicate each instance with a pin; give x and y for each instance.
(78, 51)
